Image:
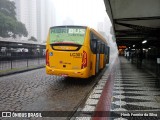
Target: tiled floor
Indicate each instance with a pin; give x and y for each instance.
(135, 95)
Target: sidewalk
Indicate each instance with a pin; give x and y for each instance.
(134, 95)
(128, 94)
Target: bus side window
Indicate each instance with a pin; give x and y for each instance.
(93, 44)
(107, 52)
(106, 49)
(102, 48)
(98, 47)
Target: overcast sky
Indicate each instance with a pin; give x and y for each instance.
(85, 12)
(81, 12)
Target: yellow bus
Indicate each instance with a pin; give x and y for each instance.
(75, 51)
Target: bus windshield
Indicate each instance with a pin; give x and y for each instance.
(74, 35)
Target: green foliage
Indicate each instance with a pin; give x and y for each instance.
(8, 8)
(9, 26)
(33, 39)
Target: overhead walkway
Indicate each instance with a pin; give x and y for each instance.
(131, 94)
(136, 26)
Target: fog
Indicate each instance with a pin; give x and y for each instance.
(48, 13)
(82, 12)
(90, 13)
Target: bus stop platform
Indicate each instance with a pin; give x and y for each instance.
(128, 94)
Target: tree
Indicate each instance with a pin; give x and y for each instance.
(8, 8)
(44, 41)
(33, 39)
(9, 26)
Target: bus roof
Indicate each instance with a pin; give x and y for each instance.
(70, 26)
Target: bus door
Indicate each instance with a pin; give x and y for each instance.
(102, 56)
(107, 52)
(98, 44)
(95, 46)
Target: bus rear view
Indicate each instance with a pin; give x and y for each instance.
(66, 54)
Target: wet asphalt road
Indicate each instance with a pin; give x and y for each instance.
(36, 91)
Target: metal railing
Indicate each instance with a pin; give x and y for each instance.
(22, 63)
(10, 61)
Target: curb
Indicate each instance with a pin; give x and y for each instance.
(88, 111)
(102, 110)
(103, 107)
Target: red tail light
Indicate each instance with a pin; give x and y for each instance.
(84, 60)
(47, 57)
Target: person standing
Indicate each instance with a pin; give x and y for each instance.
(128, 55)
(139, 58)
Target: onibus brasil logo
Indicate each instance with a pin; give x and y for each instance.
(21, 114)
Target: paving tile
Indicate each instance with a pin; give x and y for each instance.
(134, 90)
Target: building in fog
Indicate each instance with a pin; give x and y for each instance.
(45, 18)
(104, 28)
(100, 26)
(37, 15)
(26, 13)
